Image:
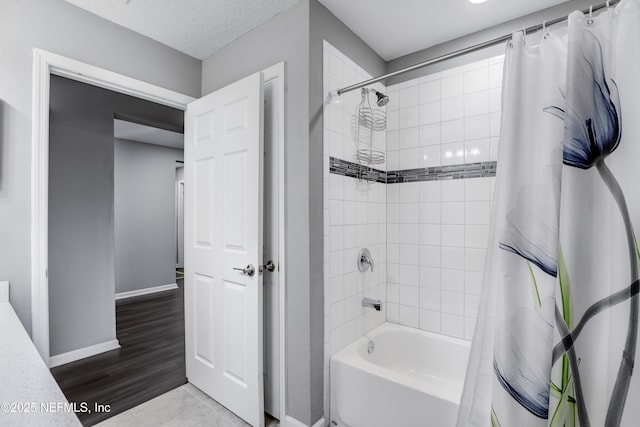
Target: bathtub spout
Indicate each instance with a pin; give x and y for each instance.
(373, 303)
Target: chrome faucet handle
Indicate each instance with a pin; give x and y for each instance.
(370, 261)
(365, 261)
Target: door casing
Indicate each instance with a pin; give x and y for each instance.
(44, 65)
(179, 224)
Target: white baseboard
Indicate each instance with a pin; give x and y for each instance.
(81, 353)
(145, 291)
(292, 422)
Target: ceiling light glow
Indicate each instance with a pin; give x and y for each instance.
(477, 1)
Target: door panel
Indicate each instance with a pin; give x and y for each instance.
(203, 203)
(223, 233)
(234, 337)
(203, 339)
(234, 201)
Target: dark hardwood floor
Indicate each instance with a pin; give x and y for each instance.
(149, 363)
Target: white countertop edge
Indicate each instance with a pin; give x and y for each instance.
(29, 395)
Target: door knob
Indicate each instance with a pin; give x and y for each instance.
(249, 270)
(269, 266)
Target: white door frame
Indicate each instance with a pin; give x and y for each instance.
(276, 75)
(179, 220)
(44, 65)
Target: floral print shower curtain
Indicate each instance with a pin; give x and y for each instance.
(555, 342)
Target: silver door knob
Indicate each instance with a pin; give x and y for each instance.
(249, 270)
(269, 266)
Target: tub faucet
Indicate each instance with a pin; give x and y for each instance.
(373, 303)
(365, 261)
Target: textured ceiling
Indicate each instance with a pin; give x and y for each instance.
(393, 28)
(196, 27)
(399, 27)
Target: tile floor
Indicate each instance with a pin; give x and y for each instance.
(183, 406)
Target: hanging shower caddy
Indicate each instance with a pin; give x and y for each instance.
(366, 121)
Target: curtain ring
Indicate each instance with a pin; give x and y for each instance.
(590, 20)
(608, 4)
(524, 36)
(545, 33)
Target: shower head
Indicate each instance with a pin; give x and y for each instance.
(382, 99)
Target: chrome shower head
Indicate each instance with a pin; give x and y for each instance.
(382, 99)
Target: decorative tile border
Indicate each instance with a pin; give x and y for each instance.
(437, 173)
(354, 170)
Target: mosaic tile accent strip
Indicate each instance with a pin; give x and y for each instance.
(437, 173)
(440, 173)
(354, 170)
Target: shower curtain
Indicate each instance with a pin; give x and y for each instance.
(555, 341)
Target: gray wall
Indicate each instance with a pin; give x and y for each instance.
(295, 36)
(81, 308)
(475, 38)
(323, 25)
(144, 207)
(285, 37)
(81, 208)
(326, 26)
(60, 27)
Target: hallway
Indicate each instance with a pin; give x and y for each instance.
(149, 363)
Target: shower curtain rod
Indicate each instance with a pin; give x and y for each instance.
(469, 49)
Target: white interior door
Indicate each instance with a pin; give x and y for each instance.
(223, 233)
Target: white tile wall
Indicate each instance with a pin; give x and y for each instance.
(355, 216)
(457, 110)
(437, 232)
(428, 239)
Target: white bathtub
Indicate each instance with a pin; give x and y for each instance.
(411, 378)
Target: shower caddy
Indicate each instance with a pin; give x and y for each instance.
(365, 122)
